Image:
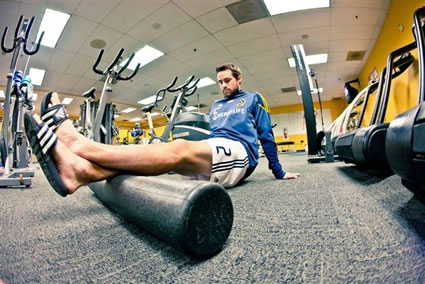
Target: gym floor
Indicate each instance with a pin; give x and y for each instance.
(335, 224)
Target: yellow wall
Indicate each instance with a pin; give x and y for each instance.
(336, 107)
(404, 89)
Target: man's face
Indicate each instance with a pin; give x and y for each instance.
(229, 85)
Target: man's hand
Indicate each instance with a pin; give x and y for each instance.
(291, 176)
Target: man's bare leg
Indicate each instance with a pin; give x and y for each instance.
(74, 170)
(183, 157)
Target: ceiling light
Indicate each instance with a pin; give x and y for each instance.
(34, 97)
(136, 119)
(2, 96)
(143, 56)
(206, 81)
(147, 101)
(311, 59)
(116, 115)
(127, 110)
(67, 101)
(278, 6)
(52, 24)
(314, 91)
(190, 108)
(37, 76)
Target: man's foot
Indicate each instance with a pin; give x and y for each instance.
(66, 131)
(65, 171)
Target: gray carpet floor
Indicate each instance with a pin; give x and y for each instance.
(335, 224)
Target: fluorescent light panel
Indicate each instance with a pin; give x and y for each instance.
(67, 101)
(314, 91)
(127, 110)
(311, 59)
(52, 24)
(206, 81)
(37, 76)
(34, 97)
(143, 56)
(147, 101)
(136, 119)
(2, 95)
(280, 6)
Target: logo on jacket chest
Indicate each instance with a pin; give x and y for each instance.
(236, 108)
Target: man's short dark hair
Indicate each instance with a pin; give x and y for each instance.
(236, 71)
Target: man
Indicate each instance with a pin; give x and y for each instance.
(231, 154)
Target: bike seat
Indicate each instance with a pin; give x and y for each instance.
(90, 94)
(148, 108)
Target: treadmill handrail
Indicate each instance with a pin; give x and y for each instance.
(388, 78)
(419, 35)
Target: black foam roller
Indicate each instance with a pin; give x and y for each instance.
(195, 217)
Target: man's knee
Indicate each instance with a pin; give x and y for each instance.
(191, 152)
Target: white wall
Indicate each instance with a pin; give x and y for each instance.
(295, 124)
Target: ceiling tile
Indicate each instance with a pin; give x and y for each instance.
(184, 34)
(130, 12)
(9, 16)
(255, 45)
(354, 16)
(159, 65)
(298, 20)
(60, 61)
(69, 81)
(80, 64)
(76, 32)
(246, 31)
(217, 20)
(196, 8)
(213, 58)
(202, 46)
(109, 35)
(296, 37)
(263, 57)
(84, 85)
(129, 44)
(353, 32)
(40, 60)
(52, 80)
(343, 65)
(337, 56)
(358, 3)
(348, 45)
(166, 18)
(95, 10)
(64, 6)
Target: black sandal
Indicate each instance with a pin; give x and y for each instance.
(53, 116)
(43, 141)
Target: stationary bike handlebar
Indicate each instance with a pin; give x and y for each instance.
(114, 63)
(26, 29)
(188, 90)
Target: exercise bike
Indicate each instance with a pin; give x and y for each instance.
(97, 117)
(13, 148)
(192, 126)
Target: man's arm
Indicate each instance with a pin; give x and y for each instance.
(266, 137)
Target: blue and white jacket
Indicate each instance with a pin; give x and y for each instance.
(245, 117)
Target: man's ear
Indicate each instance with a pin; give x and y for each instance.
(240, 79)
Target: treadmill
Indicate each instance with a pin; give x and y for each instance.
(405, 142)
(364, 146)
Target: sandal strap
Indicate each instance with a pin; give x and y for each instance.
(54, 116)
(43, 140)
